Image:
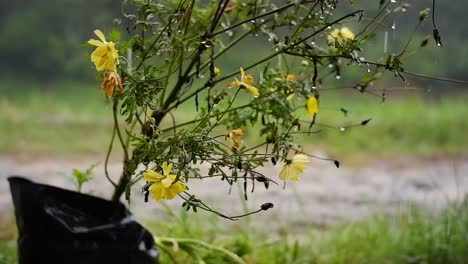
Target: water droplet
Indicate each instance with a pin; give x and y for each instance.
(229, 33)
(392, 1)
(362, 58)
(393, 26)
(368, 67)
(439, 45)
(385, 48)
(338, 77)
(313, 87)
(330, 65)
(342, 129)
(312, 43)
(428, 90)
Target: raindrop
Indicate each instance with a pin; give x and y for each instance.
(428, 90)
(330, 65)
(393, 26)
(392, 1)
(338, 77)
(368, 67)
(362, 59)
(312, 43)
(385, 48)
(229, 33)
(313, 87)
(342, 129)
(439, 45)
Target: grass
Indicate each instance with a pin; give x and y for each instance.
(70, 118)
(414, 236)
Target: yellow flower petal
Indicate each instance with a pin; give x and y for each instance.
(252, 90)
(96, 42)
(311, 106)
(167, 168)
(290, 171)
(156, 191)
(242, 74)
(300, 158)
(233, 84)
(100, 35)
(178, 187)
(284, 172)
(152, 176)
(167, 182)
(346, 33)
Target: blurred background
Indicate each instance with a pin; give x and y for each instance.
(414, 151)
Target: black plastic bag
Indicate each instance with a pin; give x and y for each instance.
(61, 226)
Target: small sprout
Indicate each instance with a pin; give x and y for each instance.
(266, 206)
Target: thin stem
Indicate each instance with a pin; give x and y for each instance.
(106, 162)
(117, 128)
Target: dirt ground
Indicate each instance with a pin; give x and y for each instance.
(325, 194)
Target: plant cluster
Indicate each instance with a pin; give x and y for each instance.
(172, 58)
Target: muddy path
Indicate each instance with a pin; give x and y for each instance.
(324, 194)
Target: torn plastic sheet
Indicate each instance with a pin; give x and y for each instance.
(61, 226)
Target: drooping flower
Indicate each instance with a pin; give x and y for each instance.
(235, 136)
(105, 56)
(340, 34)
(293, 167)
(163, 186)
(311, 106)
(111, 79)
(244, 83)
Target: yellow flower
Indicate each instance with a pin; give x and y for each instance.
(163, 186)
(105, 56)
(216, 71)
(340, 34)
(292, 168)
(244, 83)
(235, 136)
(111, 79)
(288, 77)
(311, 106)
